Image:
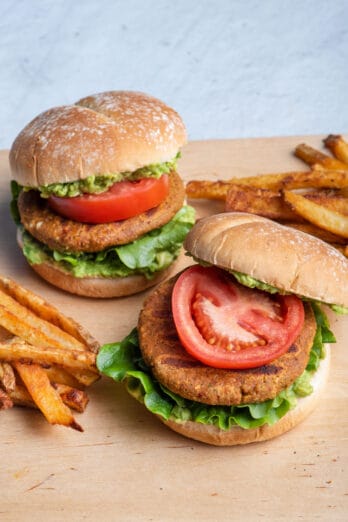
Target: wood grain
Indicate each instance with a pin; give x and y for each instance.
(128, 466)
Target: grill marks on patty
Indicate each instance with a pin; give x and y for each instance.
(65, 235)
(186, 376)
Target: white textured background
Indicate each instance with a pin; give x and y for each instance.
(231, 68)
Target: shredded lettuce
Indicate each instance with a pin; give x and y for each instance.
(147, 255)
(101, 182)
(122, 361)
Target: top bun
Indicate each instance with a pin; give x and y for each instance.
(288, 259)
(110, 132)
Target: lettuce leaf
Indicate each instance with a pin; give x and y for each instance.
(147, 255)
(122, 361)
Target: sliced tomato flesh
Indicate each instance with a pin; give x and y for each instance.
(226, 325)
(123, 200)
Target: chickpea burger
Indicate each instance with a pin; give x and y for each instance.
(96, 195)
(234, 349)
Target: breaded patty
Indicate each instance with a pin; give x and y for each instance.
(65, 235)
(188, 377)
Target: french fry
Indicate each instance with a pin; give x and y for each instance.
(7, 377)
(74, 378)
(5, 400)
(76, 401)
(320, 233)
(62, 376)
(321, 178)
(317, 214)
(264, 202)
(312, 156)
(32, 328)
(332, 201)
(21, 397)
(69, 359)
(339, 148)
(45, 396)
(72, 397)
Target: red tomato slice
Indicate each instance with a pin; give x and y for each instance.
(226, 325)
(123, 200)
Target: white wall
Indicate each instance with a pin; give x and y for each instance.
(231, 68)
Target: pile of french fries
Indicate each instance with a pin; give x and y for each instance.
(315, 200)
(46, 358)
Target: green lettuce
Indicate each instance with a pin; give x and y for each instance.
(122, 361)
(101, 182)
(147, 255)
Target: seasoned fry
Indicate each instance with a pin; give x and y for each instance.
(317, 214)
(324, 235)
(5, 400)
(312, 157)
(70, 359)
(75, 399)
(7, 377)
(339, 148)
(45, 396)
(22, 322)
(21, 397)
(72, 397)
(331, 200)
(288, 180)
(264, 202)
(61, 376)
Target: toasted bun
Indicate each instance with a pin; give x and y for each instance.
(96, 286)
(288, 259)
(110, 132)
(237, 435)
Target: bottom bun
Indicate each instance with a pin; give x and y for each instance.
(236, 435)
(101, 287)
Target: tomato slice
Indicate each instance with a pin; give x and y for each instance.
(226, 325)
(123, 200)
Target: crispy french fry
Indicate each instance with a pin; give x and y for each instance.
(7, 377)
(338, 146)
(312, 156)
(21, 397)
(84, 377)
(20, 321)
(322, 234)
(5, 400)
(207, 189)
(320, 178)
(264, 202)
(69, 359)
(72, 397)
(332, 201)
(62, 376)
(76, 401)
(45, 396)
(317, 214)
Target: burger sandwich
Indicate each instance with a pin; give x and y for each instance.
(233, 349)
(96, 194)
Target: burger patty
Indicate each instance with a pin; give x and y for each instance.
(191, 379)
(65, 235)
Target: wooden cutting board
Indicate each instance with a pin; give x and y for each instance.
(126, 465)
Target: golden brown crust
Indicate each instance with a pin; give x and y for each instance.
(63, 234)
(288, 259)
(112, 132)
(236, 435)
(98, 287)
(184, 375)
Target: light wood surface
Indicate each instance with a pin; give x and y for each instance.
(128, 466)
